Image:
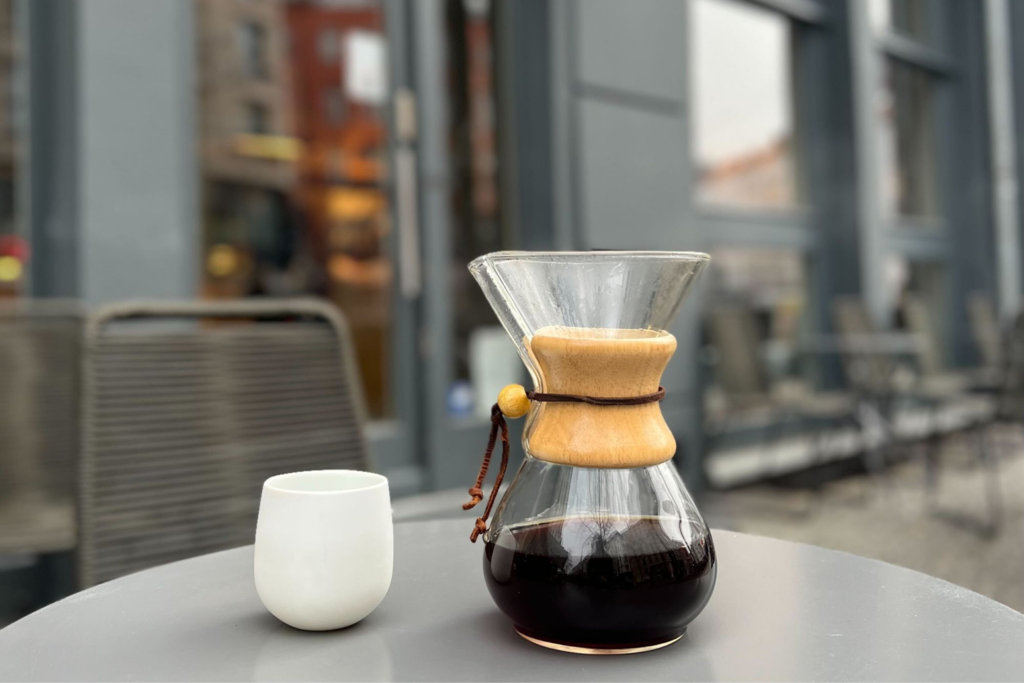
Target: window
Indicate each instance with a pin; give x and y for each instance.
(773, 282)
(284, 216)
(908, 17)
(251, 38)
(334, 106)
(908, 141)
(743, 121)
(257, 119)
(483, 362)
(758, 298)
(328, 44)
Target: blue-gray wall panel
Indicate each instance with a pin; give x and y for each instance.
(138, 230)
(634, 46)
(633, 179)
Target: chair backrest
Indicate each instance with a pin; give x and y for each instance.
(189, 407)
(739, 372)
(920, 323)
(40, 345)
(1011, 391)
(985, 329)
(865, 372)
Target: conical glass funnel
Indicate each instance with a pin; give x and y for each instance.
(592, 290)
(597, 545)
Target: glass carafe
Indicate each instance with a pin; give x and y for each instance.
(596, 546)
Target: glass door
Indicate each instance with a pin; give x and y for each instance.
(307, 186)
(468, 357)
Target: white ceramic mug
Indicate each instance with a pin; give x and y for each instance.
(324, 547)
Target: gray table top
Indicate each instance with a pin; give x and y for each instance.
(780, 611)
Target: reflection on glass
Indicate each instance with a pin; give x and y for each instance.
(907, 139)
(743, 121)
(756, 312)
(14, 250)
(772, 282)
(485, 360)
(293, 163)
(908, 17)
(915, 279)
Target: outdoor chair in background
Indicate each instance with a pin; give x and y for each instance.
(189, 407)
(1010, 396)
(936, 377)
(987, 333)
(879, 369)
(970, 396)
(39, 392)
(750, 400)
(873, 370)
(889, 387)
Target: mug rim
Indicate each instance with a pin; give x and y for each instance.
(278, 482)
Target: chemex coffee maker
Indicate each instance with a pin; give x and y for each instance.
(597, 546)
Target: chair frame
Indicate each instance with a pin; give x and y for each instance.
(314, 309)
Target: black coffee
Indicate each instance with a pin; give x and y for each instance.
(618, 582)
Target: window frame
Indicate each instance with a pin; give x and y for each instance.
(247, 31)
(801, 228)
(792, 227)
(928, 55)
(920, 238)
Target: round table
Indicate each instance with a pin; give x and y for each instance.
(780, 611)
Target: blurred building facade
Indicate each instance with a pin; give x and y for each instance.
(366, 150)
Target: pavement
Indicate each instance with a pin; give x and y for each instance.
(945, 532)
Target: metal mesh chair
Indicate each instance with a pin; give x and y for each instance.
(750, 397)
(39, 373)
(741, 374)
(971, 413)
(936, 376)
(991, 339)
(868, 374)
(189, 407)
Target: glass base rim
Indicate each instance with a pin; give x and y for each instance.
(590, 650)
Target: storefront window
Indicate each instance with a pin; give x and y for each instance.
(485, 359)
(743, 120)
(908, 140)
(294, 194)
(766, 291)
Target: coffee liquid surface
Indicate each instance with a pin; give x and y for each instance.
(600, 582)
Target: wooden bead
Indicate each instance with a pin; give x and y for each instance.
(513, 401)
